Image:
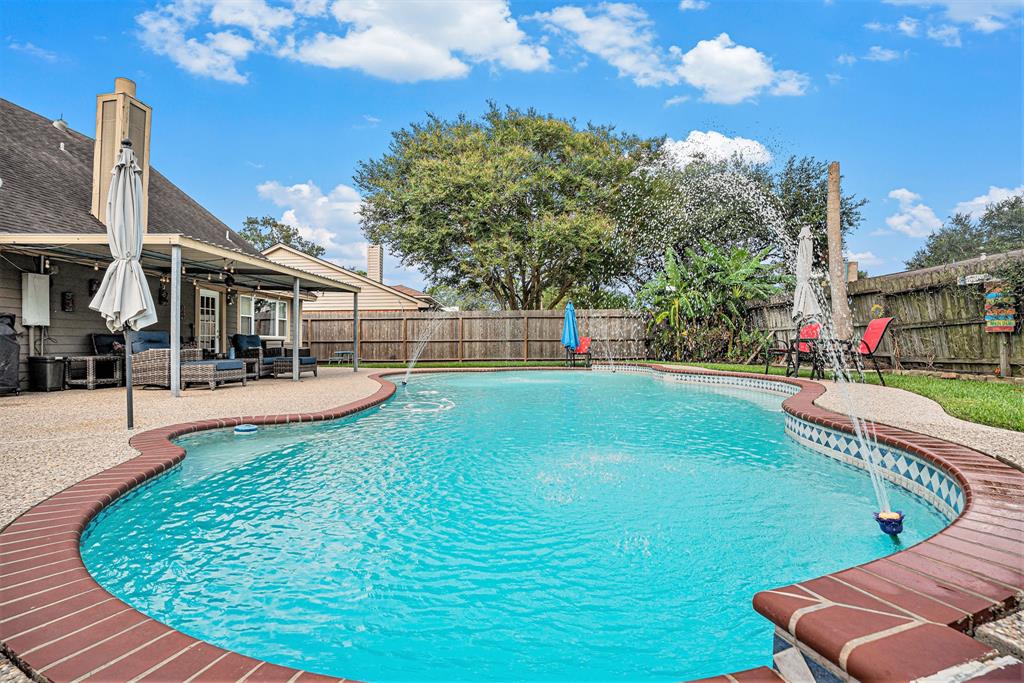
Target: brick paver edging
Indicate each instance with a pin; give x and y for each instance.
(893, 619)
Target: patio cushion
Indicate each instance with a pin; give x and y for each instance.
(219, 364)
(246, 342)
(103, 344)
(303, 360)
(144, 341)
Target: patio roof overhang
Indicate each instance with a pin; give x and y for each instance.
(199, 259)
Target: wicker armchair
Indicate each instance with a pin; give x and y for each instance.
(152, 367)
(250, 346)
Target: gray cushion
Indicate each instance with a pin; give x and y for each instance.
(246, 342)
(218, 364)
(144, 341)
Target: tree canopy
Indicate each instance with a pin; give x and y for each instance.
(1000, 228)
(730, 204)
(267, 231)
(527, 205)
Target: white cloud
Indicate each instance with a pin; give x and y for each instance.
(728, 73)
(976, 207)
(876, 26)
(685, 5)
(834, 79)
(256, 16)
(907, 26)
(677, 100)
(713, 146)
(33, 50)
(864, 259)
(913, 218)
(331, 220)
(985, 16)
(618, 33)
(846, 60)
(949, 36)
(215, 55)
(877, 53)
(398, 41)
(623, 35)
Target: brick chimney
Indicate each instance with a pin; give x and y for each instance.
(119, 116)
(375, 262)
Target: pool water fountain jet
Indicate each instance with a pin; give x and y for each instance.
(734, 187)
(421, 343)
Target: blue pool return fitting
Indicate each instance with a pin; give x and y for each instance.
(890, 522)
(246, 429)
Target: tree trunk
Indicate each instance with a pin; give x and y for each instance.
(836, 272)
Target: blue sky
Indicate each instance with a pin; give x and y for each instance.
(267, 107)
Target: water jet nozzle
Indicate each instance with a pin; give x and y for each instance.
(890, 522)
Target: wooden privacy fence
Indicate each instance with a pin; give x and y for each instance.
(939, 317)
(473, 335)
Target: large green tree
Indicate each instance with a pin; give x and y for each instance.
(1000, 228)
(524, 205)
(267, 231)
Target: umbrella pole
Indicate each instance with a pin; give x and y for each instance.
(128, 375)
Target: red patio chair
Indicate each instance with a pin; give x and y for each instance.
(802, 346)
(871, 340)
(582, 351)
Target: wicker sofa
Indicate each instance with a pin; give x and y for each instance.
(273, 361)
(278, 361)
(151, 364)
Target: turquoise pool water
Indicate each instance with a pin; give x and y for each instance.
(497, 526)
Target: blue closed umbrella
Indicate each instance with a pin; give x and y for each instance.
(570, 335)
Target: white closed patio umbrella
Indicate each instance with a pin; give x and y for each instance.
(123, 298)
(805, 303)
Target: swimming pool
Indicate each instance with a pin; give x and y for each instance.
(499, 526)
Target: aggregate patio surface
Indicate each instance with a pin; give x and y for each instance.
(55, 440)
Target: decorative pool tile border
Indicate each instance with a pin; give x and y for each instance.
(899, 618)
(930, 482)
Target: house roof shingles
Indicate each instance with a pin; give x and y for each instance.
(47, 190)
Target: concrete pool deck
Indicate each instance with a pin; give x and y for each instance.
(59, 439)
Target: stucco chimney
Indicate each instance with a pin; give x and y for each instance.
(119, 116)
(375, 262)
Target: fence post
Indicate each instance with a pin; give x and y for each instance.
(526, 337)
(405, 337)
(462, 334)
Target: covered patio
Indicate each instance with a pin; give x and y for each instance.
(205, 294)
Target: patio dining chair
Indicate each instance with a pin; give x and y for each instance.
(804, 347)
(870, 341)
(581, 351)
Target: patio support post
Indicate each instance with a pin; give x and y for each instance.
(175, 320)
(296, 329)
(355, 332)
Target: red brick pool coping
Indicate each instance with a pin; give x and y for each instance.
(897, 618)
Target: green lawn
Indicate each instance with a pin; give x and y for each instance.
(989, 403)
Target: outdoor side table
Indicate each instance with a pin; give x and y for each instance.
(342, 357)
(252, 367)
(91, 381)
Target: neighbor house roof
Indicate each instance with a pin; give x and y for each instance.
(365, 282)
(47, 189)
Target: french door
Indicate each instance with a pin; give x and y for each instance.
(208, 318)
